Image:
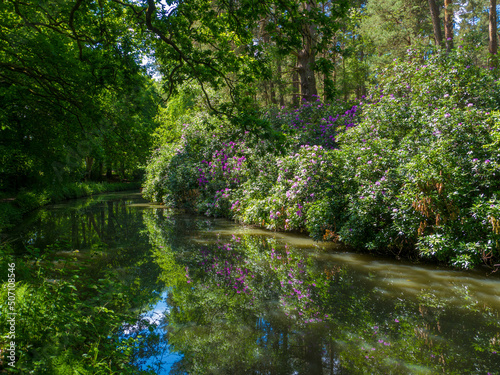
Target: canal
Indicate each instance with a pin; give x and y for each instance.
(181, 294)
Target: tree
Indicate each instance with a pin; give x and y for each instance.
(393, 26)
(448, 24)
(60, 63)
(306, 31)
(306, 57)
(214, 42)
(436, 23)
(493, 44)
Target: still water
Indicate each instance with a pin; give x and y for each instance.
(221, 298)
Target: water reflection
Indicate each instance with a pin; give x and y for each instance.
(246, 301)
(226, 299)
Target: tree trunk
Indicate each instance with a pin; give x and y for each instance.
(362, 86)
(295, 88)
(122, 171)
(272, 92)
(89, 162)
(436, 24)
(280, 85)
(448, 25)
(266, 96)
(493, 47)
(305, 63)
(344, 79)
(269, 90)
(334, 72)
(306, 58)
(109, 171)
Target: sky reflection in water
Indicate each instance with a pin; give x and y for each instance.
(247, 301)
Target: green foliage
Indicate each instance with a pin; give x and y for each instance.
(421, 158)
(73, 96)
(60, 329)
(393, 26)
(408, 176)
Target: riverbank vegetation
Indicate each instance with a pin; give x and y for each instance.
(411, 169)
(79, 280)
(328, 118)
(13, 208)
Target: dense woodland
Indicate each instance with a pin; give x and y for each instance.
(372, 123)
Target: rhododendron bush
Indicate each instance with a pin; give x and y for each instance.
(411, 170)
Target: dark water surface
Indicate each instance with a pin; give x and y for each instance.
(226, 299)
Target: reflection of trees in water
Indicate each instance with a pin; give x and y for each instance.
(299, 314)
(82, 226)
(108, 235)
(220, 329)
(82, 298)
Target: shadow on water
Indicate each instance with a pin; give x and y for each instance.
(219, 298)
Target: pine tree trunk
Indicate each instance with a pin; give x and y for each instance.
(266, 96)
(272, 92)
(280, 86)
(493, 47)
(334, 72)
(295, 88)
(436, 24)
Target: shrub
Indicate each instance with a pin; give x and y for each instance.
(420, 163)
(416, 172)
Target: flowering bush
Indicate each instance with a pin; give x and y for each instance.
(415, 173)
(314, 123)
(281, 196)
(421, 165)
